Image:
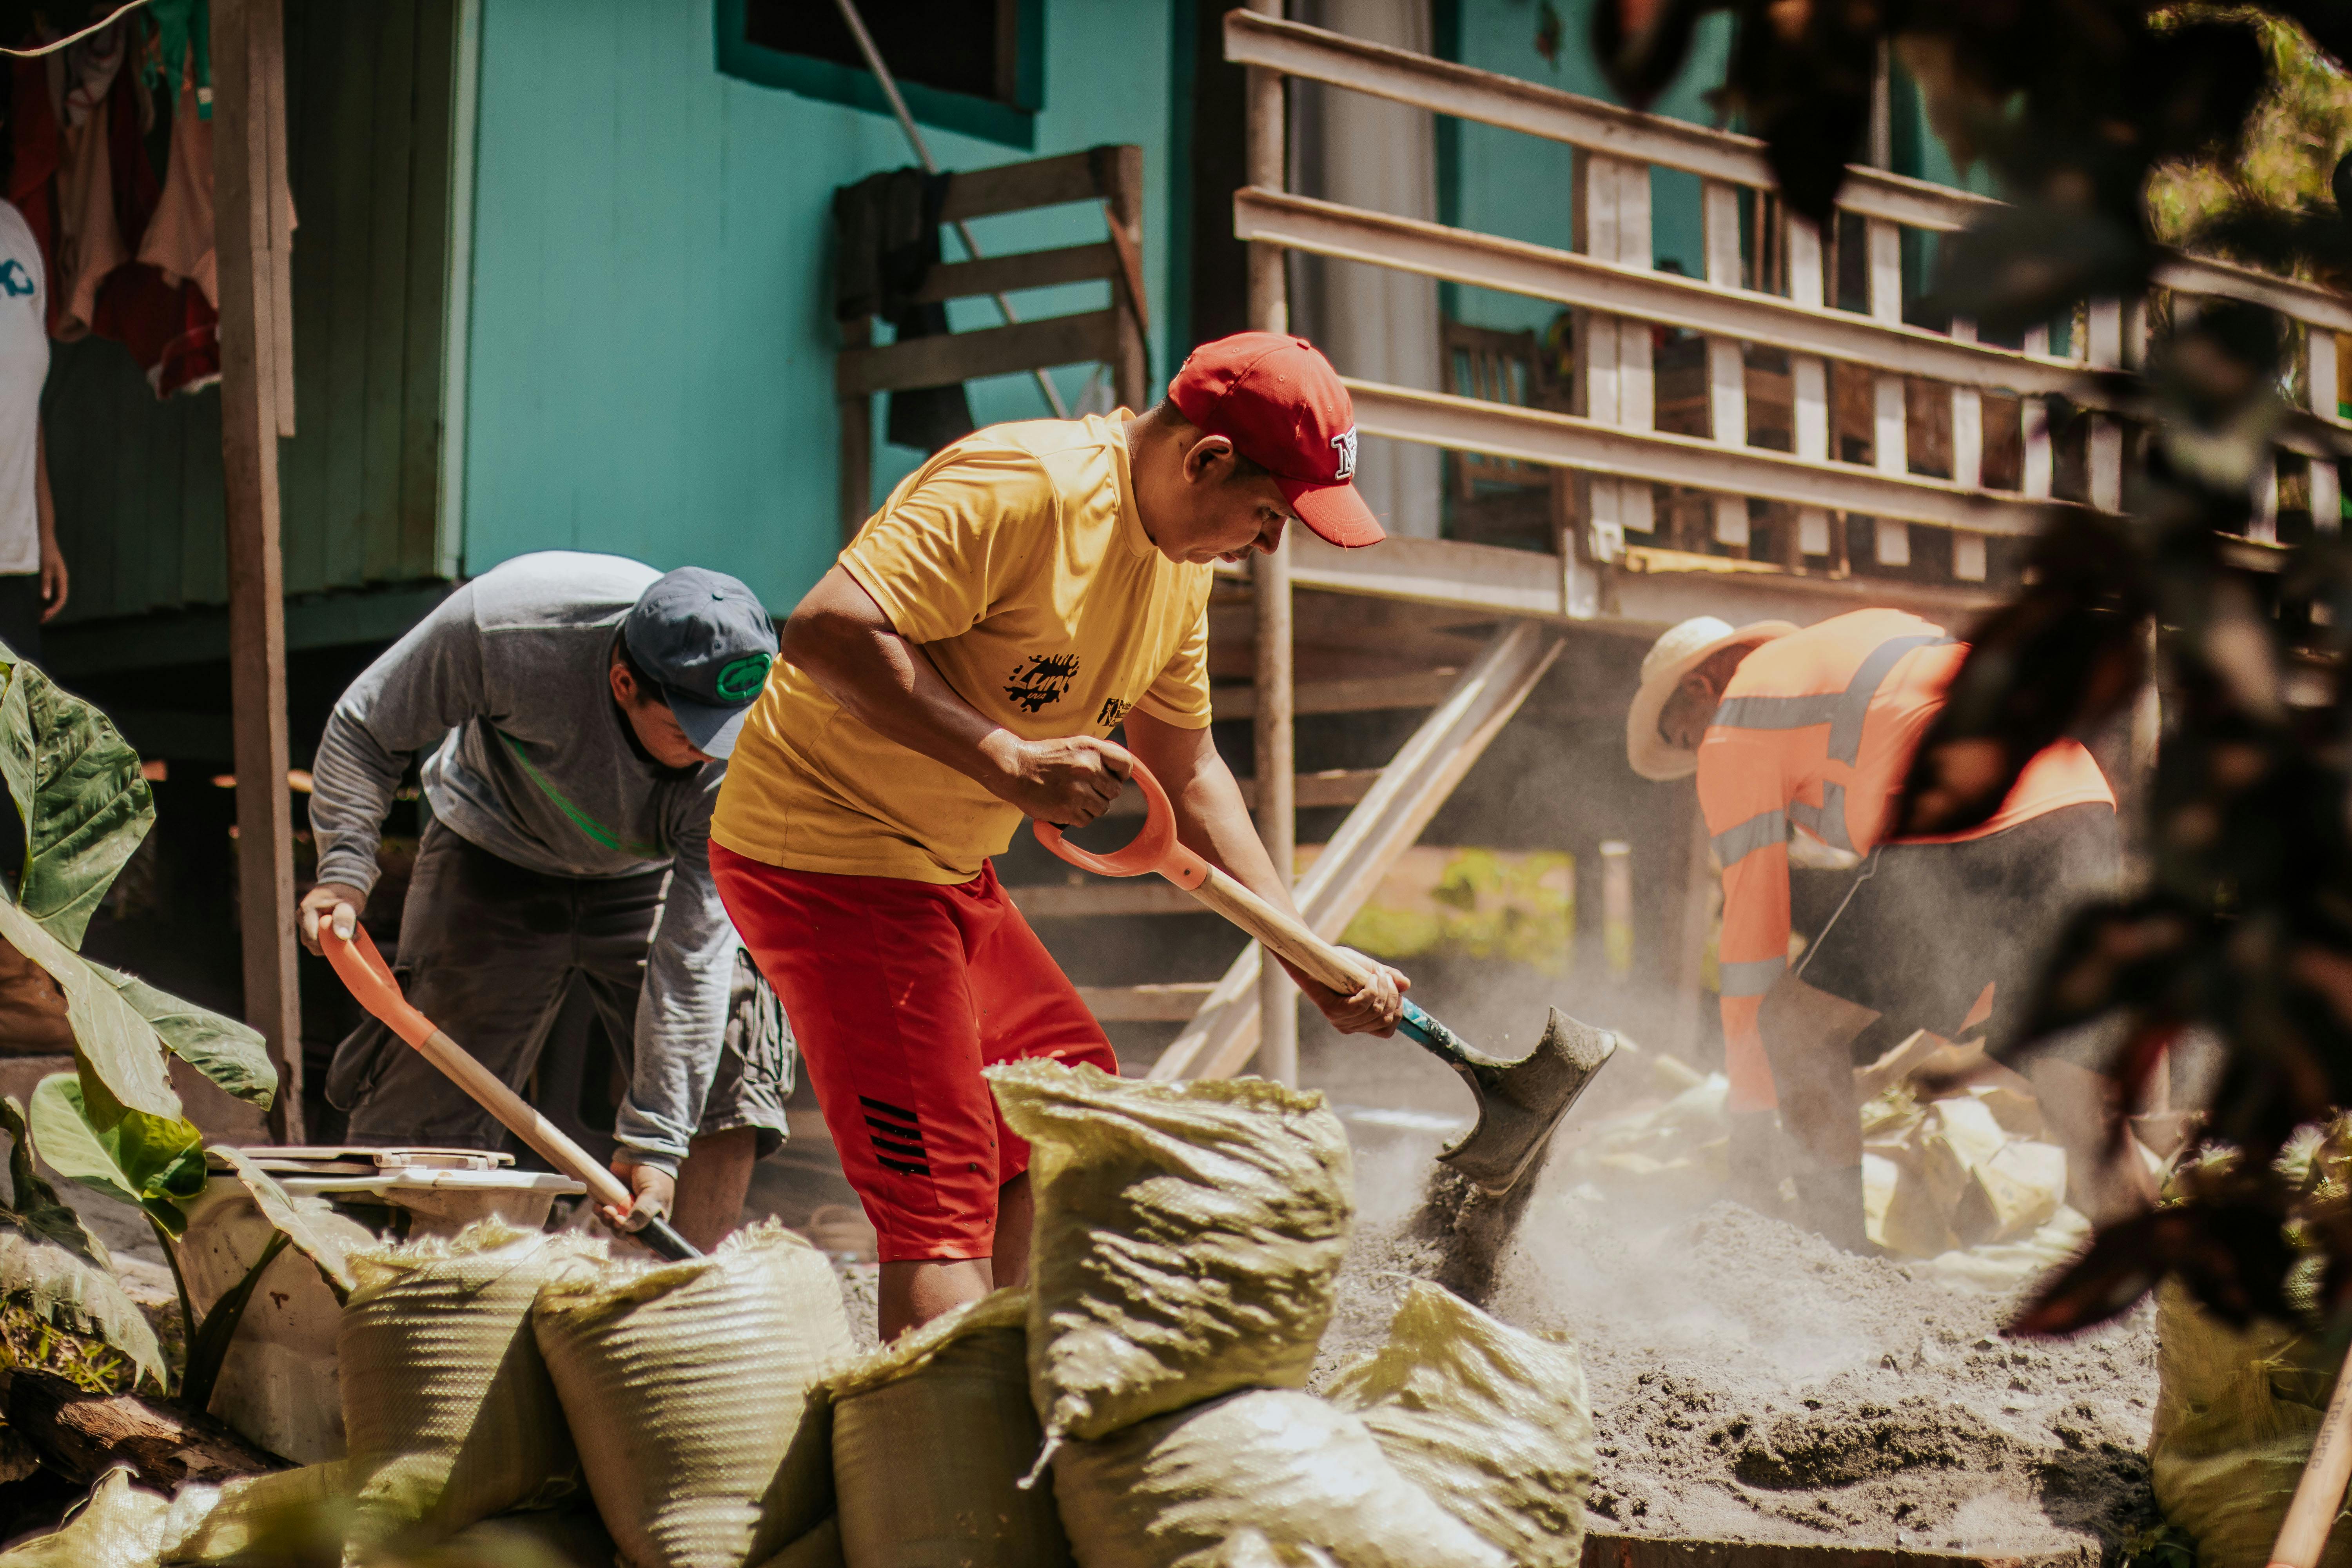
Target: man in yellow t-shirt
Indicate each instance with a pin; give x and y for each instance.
(1020, 596)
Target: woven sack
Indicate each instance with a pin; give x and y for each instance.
(688, 1384)
(932, 1434)
(286, 1517)
(2236, 1411)
(1488, 1419)
(1188, 1237)
(118, 1527)
(447, 1409)
(1171, 1492)
(820, 1548)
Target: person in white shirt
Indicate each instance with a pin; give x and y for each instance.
(32, 568)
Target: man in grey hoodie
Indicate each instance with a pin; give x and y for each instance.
(580, 708)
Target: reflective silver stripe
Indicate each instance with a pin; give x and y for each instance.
(1778, 712)
(1761, 831)
(1825, 822)
(1843, 711)
(1845, 733)
(1751, 979)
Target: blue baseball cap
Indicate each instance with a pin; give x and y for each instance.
(707, 641)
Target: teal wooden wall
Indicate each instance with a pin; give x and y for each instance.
(1503, 182)
(650, 368)
(138, 482)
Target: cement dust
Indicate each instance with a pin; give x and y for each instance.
(1749, 1381)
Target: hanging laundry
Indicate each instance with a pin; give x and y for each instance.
(183, 31)
(887, 226)
(179, 238)
(89, 242)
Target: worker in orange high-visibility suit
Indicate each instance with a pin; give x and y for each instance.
(1813, 731)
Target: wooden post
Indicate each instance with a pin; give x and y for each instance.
(1969, 558)
(1277, 779)
(1809, 380)
(856, 440)
(253, 238)
(1726, 364)
(1119, 174)
(2103, 349)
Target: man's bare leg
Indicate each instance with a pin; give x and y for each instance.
(712, 1184)
(911, 1294)
(1808, 1033)
(1016, 1213)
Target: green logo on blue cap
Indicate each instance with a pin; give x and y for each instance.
(740, 680)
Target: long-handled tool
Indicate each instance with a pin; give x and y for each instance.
(2319, 1495)
(1519, 1102)
(361, 968)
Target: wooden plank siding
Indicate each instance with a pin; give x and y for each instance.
(369, 87)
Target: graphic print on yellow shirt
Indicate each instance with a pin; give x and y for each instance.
(1016, 560)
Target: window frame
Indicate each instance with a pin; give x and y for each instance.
(1013, 124)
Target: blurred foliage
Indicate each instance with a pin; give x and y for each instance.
(2113, 128)
(1486, 904)
(2302, 125)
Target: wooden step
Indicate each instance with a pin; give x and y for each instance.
(1332, 786)
(1170, 1003)
(1426, 691)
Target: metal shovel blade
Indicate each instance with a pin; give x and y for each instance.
(1520, 1103)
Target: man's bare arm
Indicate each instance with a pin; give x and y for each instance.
(1214, 822)
(841, 637)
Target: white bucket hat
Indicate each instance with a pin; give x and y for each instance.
(1676, 654)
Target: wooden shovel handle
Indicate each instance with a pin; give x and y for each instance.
(1156, 849)
(2319, 1495)
(362, 967)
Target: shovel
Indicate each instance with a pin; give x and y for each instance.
(1519, 1102)
(361, 968)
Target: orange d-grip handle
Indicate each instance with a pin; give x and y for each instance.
(1154, 849)
(361, 968)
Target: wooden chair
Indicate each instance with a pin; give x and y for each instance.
(1498, 500)
(1112, 175)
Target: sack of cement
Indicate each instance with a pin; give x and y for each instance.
(1488, 1419)
(688, 1385)
(120, 1526)
(1188, 1236)
(290, 1516)
(2236, 1411)
(820, 1548)
(1170, 1492)
(447, 1406)
(932, 1434)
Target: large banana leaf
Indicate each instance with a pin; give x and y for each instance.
(154, 1161)
(223, 1050)
(81, 804)
(57, 1269)
(117, 1050)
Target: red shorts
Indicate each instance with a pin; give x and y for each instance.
(899, 992)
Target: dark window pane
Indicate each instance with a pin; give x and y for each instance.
(955, 46)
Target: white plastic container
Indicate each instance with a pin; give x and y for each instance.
(278, 1386)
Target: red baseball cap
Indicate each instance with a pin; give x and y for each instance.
(1281, 405)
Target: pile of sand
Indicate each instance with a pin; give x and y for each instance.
(1751, 1382)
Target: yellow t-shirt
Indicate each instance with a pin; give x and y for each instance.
(1016, 560)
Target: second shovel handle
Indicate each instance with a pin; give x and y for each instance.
(2319, 1495)
(524, 1120)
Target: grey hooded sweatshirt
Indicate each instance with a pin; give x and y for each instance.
(535, 764)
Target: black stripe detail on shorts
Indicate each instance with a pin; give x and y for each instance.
(912, 1134)
(892, 1146)
(902, 1166)
(886, 1109)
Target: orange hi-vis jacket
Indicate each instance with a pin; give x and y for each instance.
(1816, 729)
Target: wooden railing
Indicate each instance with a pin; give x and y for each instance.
(1925, 400)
